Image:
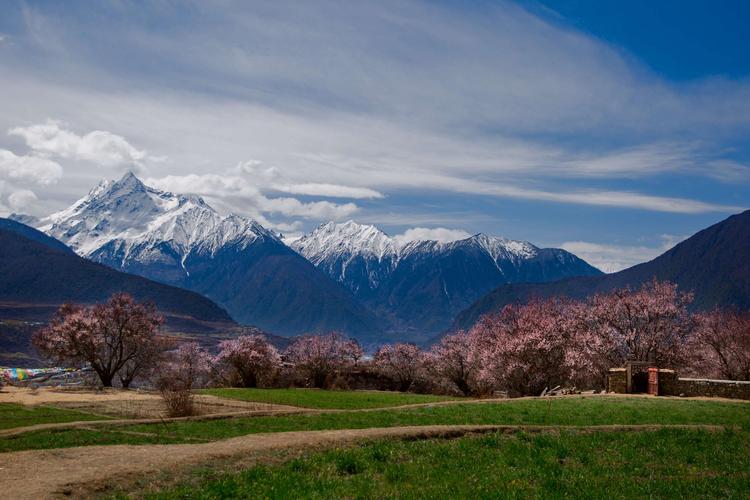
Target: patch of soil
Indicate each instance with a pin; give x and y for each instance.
(122, 403)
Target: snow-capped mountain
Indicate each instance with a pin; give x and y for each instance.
(423, 284)
(181, 240)
(124, 223)
(358, 256)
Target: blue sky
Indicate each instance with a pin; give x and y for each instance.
(612, 129)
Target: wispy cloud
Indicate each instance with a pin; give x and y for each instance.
(441, 234)
(28, 168)
(99, 146)
(612, 258)
(221, 190)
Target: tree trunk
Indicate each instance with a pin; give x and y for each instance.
(106, 379)
(250, 379)
(463, 386)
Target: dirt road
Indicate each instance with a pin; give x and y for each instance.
(39, 474)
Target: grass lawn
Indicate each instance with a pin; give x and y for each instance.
(562, 411)
(13, 415)
(665, 463)
(316, 398)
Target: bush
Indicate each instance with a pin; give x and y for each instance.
(187, 368)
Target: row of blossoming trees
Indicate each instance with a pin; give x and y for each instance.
(521, 349)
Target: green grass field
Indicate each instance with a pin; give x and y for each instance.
(315, 398)
(13, 415)
(664, 463)
(563, 411)
(661, 464)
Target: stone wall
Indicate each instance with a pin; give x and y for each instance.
(672, 385)
(712, 388)
(617, 380)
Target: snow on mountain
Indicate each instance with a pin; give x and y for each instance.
(420, 285)
(350, 240)
(347, 239)
(180, 240)
(142, 223)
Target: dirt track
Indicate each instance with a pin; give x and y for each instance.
(38, 474)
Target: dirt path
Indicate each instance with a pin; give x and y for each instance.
(38, 474)
(240, 409)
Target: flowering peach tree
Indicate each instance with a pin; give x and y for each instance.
(318, 356)
(456, 359)
(109, 337)
(722, 344)
(649, 324)
(525, 348)
(247, 359)
(402, 362)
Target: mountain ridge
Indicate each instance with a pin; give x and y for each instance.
(422, 284)
(33, 271)
(180, 240)
(714, 264)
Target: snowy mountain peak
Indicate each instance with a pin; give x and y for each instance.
(134, 219)
(350, 239)
(345, 239)
(498, 247)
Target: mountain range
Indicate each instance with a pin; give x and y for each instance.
(180, 240)
(348, 277)
(342, 276)
(713, 264)
(420, 286)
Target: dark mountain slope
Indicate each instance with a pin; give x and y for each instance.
(34, 235)
(270, 286)
(714, 264)
(35, 273)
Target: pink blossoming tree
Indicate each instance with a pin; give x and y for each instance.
(248, 359)
(318, 356)
(108, 337)
(402, 362)
(650, 324)
(722, 344)
(524, 349)
(456, 359)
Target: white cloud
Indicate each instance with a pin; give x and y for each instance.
(613, 258)
(99, 146)
(441, 234)
(329, 190)
(21, 199)
(239, 193)
(621, 199)
(29, 168)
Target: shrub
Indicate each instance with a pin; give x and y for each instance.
(187, 368)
